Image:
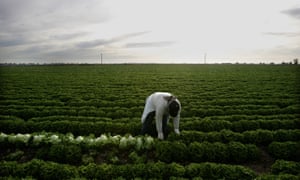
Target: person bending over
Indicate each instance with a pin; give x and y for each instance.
(161, 105)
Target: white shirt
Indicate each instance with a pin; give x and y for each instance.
(158, 102)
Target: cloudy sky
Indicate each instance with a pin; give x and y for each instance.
(144, 31)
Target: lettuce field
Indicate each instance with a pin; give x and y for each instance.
(84, 122)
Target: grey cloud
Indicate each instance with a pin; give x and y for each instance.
(285, 34)
(92, 44)
(8, 40)
(11, 42)
(49, 54)
(284, 50)
(11, 9)
(67, 52)
(130, 35)
(33, 28)
(68, 36)
(294, 12)
(149, 44)
(35, 15)
(101, 42)
(127, 36)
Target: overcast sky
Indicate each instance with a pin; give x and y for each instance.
(140, 31)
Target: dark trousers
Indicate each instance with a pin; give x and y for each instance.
(148, 122)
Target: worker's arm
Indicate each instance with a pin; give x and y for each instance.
(176, 124)
(158, 118)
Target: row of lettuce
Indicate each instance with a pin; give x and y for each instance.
(258, 137)
(26, 112)
(13, 125)
(110, 101)
(230, 118)
(39, 169)
(76, 150)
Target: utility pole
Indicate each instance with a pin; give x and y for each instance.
(101, 58)
(204, 58)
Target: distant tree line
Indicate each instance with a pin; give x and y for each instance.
(295, 62)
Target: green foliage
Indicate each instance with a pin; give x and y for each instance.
(168, 152)
(50, 170)
(56, 171)
(14, 156)
(286, 167)
(175, 170)
(259, 137)
(135, 158)
(65, 153)
(38, 169)
(280, 176)
(285, 150)
(237, 152)
(87, 159)
(217, 171)
(219, 152)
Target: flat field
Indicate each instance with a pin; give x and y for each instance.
(83, 121)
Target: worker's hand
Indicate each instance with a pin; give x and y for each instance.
(177, 131)
(161, 136)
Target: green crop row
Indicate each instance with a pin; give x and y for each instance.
(133, 126)
(251, 101)
(83, 119)
(285, 150)
(49, 170)
(233, 152)
(253, 117)
(259, 137)
(203, 111)
(286, 167)
(208, 125)
(262, 120)
(26, 112)
(77, 127)
(39, 169)
(273, 120)
(279, 176)
(75, 150)
(63, 145)
(48, 139)
(193, 152)
(225, 104)
(61, 101)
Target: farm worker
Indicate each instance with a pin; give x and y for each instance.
(161, 105)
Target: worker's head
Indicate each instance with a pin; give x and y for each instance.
(174, 108)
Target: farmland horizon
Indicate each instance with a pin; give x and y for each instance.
(103, 64)
(33, 61)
